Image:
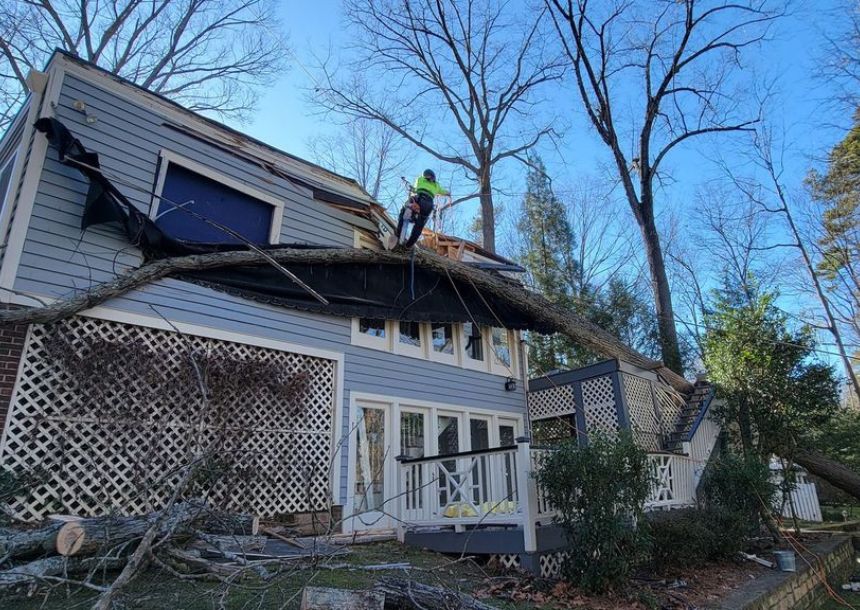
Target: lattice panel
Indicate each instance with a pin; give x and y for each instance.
(124, 450)
(671, 407)
(640, 406)
(550, 564)
(552, 431)
(598, 400)
(506, 561)
(551, 402)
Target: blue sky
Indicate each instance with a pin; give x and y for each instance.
(286, 120)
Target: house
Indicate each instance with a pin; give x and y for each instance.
(390, 390)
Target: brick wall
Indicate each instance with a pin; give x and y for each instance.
(12, 337)
(804, 589)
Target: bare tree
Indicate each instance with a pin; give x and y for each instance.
(840, 61)
(675, 60)
(207, 54)
(772, 196)
(459, 79)
(366, 150)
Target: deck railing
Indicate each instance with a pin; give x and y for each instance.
(674, 485)
(498, 486)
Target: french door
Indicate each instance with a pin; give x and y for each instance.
(384, 431)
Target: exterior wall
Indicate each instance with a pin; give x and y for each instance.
(12, 340)
(57, 259)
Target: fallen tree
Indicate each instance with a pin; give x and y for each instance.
(836, 474)
(494, 286)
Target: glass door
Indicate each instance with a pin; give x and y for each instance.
(448, 441)
(414, 443)
(479, 438)
(372, 482)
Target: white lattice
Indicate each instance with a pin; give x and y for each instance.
(91, 464)
(640, 406)
(550, 564)
(506, 561)
(598, 400)
(551, 402)
(671, 407)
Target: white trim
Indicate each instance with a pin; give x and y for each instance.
(452, 358)
(7, 197)
(18, 373)
(26, 197)
(364, 340)
(224, 136)
(497, 367)
(470, 363)
(166, 157)
(405, 349)
(394, 405)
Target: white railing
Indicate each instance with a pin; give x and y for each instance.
(702, 443)
(464, 488)
(498, 486)
(674, 485)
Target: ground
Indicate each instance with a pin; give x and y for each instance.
(156, 589)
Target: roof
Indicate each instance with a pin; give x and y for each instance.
(334, 187)
(455, 248)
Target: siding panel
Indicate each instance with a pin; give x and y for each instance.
(58, 259)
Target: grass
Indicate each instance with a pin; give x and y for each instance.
(156, 589)
(831, 604)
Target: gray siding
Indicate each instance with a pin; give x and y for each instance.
(58, 259)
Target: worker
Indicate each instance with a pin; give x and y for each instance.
(419, 205)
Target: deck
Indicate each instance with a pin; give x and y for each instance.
(489, 501)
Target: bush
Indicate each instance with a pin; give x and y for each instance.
(736, 489)
(599, 491)
(680, 538)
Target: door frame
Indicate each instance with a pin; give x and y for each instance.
(394, 405)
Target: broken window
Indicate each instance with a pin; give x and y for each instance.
(371, 327)
(192, 206)
(473, 343)
(502, 347)
(443, 338)
(410, 334)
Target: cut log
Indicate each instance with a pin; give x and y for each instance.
(225, 523)
(323, 598)
(56, 566)
(30, 543)
(88, 536)
(410, 595)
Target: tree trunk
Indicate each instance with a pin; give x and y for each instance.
(56, 566)
(538, 308)
(409, 594)
(228, 524)
(836, 474)
(488, 213)
(89, 536)
(324, 598)
(669, 347)
(30, 543)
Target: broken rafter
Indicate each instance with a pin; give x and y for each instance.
(492, 286)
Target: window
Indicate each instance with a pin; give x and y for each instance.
(6, 181)
(442, 335)
(501, 345)
(473, 342)
(194, 199)
(370, 460)
(372, 327)
(410, 334)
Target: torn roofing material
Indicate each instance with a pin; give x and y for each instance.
(384, 290)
